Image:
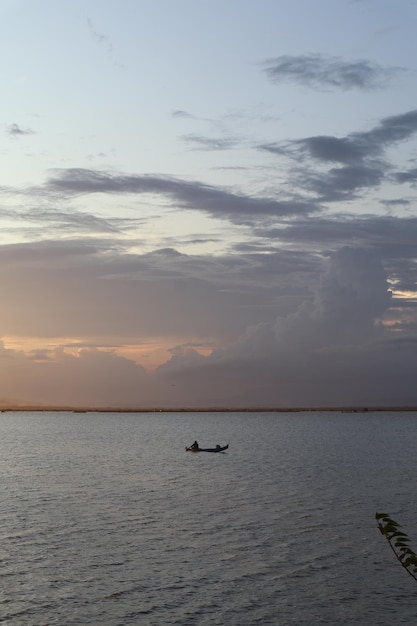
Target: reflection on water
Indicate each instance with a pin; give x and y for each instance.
(105, 519)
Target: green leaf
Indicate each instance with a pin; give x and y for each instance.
(403, 555)
(398, 541)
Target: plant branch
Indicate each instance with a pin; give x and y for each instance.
(398, 542)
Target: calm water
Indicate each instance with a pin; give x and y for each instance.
(106, 520)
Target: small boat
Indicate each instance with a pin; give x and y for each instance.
(216, 449)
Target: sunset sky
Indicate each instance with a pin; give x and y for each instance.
(208, 203)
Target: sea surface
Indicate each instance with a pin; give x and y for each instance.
(105, 520)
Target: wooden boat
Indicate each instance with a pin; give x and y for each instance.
(216, 449)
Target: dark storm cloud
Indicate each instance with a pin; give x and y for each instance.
(184, 194)
(332, 350)
(231, 273)
(317, 71)
(106, 293)
(318, 335)
(393, 239)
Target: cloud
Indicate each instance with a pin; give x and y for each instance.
(382, 232)
(392, 238)
(340, 184)
(361, 155)
(327, 169)
(352, 295)
(392, 130)
(91, 378)
(47, 222)
(396, 202)
(104, 41)
(334, 149)
(320, 72)
(409, 176)
(99, 37)
(179, 113)
(17, 131)
(330, 349)
(71, 222)
(87, 288)
(357, 146)
(215, 201)
(210, 143)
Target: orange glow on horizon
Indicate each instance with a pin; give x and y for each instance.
(405, 295)
(150, 353)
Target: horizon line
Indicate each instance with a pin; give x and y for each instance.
(225, 409)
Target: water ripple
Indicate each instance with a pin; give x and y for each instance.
(105, 520)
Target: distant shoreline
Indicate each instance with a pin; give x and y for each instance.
(73, 409)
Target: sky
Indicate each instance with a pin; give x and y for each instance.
(208, 203)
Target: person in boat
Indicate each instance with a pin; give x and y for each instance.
(194, 446)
